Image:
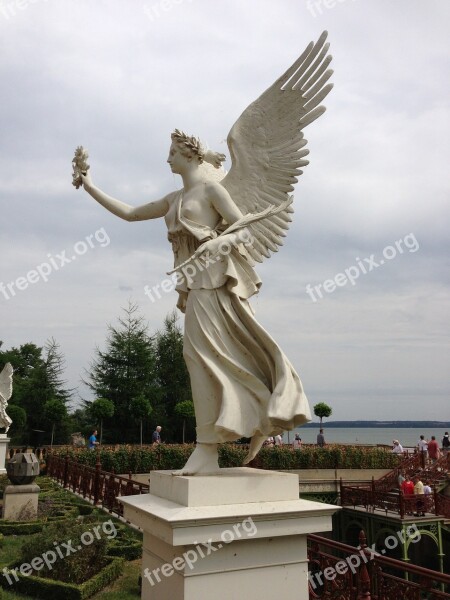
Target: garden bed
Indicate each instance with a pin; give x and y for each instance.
(49, 589)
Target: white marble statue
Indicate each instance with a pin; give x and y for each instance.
(242, 383)
(5, 395)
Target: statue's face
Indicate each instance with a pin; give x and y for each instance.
(178, 163)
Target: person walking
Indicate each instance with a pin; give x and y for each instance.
(93, 440)
(433, 449)
(423, 447)
(445, 443)
(397, 447)
(156, 437)
(297, 443)
(419, 491)
(320, 439)
(408, 491)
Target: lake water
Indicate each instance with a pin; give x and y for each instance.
(366, 435)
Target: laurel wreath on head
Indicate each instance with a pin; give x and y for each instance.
(191, 142)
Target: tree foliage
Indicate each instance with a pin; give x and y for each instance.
(101, 409)
(54, 411)
(172, 376)
(19, 418)
(322, 411)
(125, 370)
(38, 377)
(140, 409)
(186, 411)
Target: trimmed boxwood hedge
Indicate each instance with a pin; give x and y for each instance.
(48, 589)
(127, 543)
(127, 549)
(132, 459)
(28, 527)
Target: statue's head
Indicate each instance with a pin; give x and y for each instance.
(189, 146)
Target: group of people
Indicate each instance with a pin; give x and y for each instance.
(93, 443)
(430, 448)
(277, 440)
(415, 487)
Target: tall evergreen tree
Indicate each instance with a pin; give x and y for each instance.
(173, 378)
(38, 377)
(126, 369)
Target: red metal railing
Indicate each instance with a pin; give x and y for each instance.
(340, 571)
(384, 493)
(99, 486)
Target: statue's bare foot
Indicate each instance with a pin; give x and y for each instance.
(204, 459)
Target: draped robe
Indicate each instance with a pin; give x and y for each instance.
(242, 383)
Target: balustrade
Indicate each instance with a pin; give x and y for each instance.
(99, 486)
(341, 571)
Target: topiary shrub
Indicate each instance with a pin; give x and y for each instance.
(76, 563)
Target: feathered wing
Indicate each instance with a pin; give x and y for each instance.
(267, 146)
(6, 383)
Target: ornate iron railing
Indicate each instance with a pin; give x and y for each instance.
(101, 487)
(385, 495)
(342, 572)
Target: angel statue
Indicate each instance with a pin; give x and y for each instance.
(219, 225)
(5, 395)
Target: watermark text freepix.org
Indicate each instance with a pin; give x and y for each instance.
(199, 264)
(364, 266)
(43, 271)
(60, 552)
(354, 561)
(246, 528)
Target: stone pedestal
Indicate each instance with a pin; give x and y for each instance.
(20, 502)
(4, 441)
(240, 534)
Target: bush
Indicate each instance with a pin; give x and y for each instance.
(134, 459)
(76, 568)
(127, 544)
(48, 589)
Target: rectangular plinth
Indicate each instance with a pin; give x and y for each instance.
(20, 502)
(230, 486)
(4, 440)
(247, 549)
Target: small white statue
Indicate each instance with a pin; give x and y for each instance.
(5, 395)
(242, 383)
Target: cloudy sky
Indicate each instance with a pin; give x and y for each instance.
(118, 76)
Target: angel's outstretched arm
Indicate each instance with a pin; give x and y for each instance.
(152, 210)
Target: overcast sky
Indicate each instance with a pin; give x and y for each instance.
(118, 77)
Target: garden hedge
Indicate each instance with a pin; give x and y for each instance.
(48, 589)
(132, 459)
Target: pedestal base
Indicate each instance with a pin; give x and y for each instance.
(4, 441)
(239, 534)
(20, 502)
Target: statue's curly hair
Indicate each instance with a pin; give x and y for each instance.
(189, 144)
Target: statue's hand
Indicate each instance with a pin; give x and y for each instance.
(87, 179)
(211, 247)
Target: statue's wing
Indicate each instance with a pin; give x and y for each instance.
(6, 382)
(267, 147)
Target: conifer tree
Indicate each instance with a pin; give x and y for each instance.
(125, 370)
(173, 378)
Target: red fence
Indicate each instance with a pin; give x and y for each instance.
(100, 487)
(384, 494)
(339, 571)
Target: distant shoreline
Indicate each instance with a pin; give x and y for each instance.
(383, 424)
